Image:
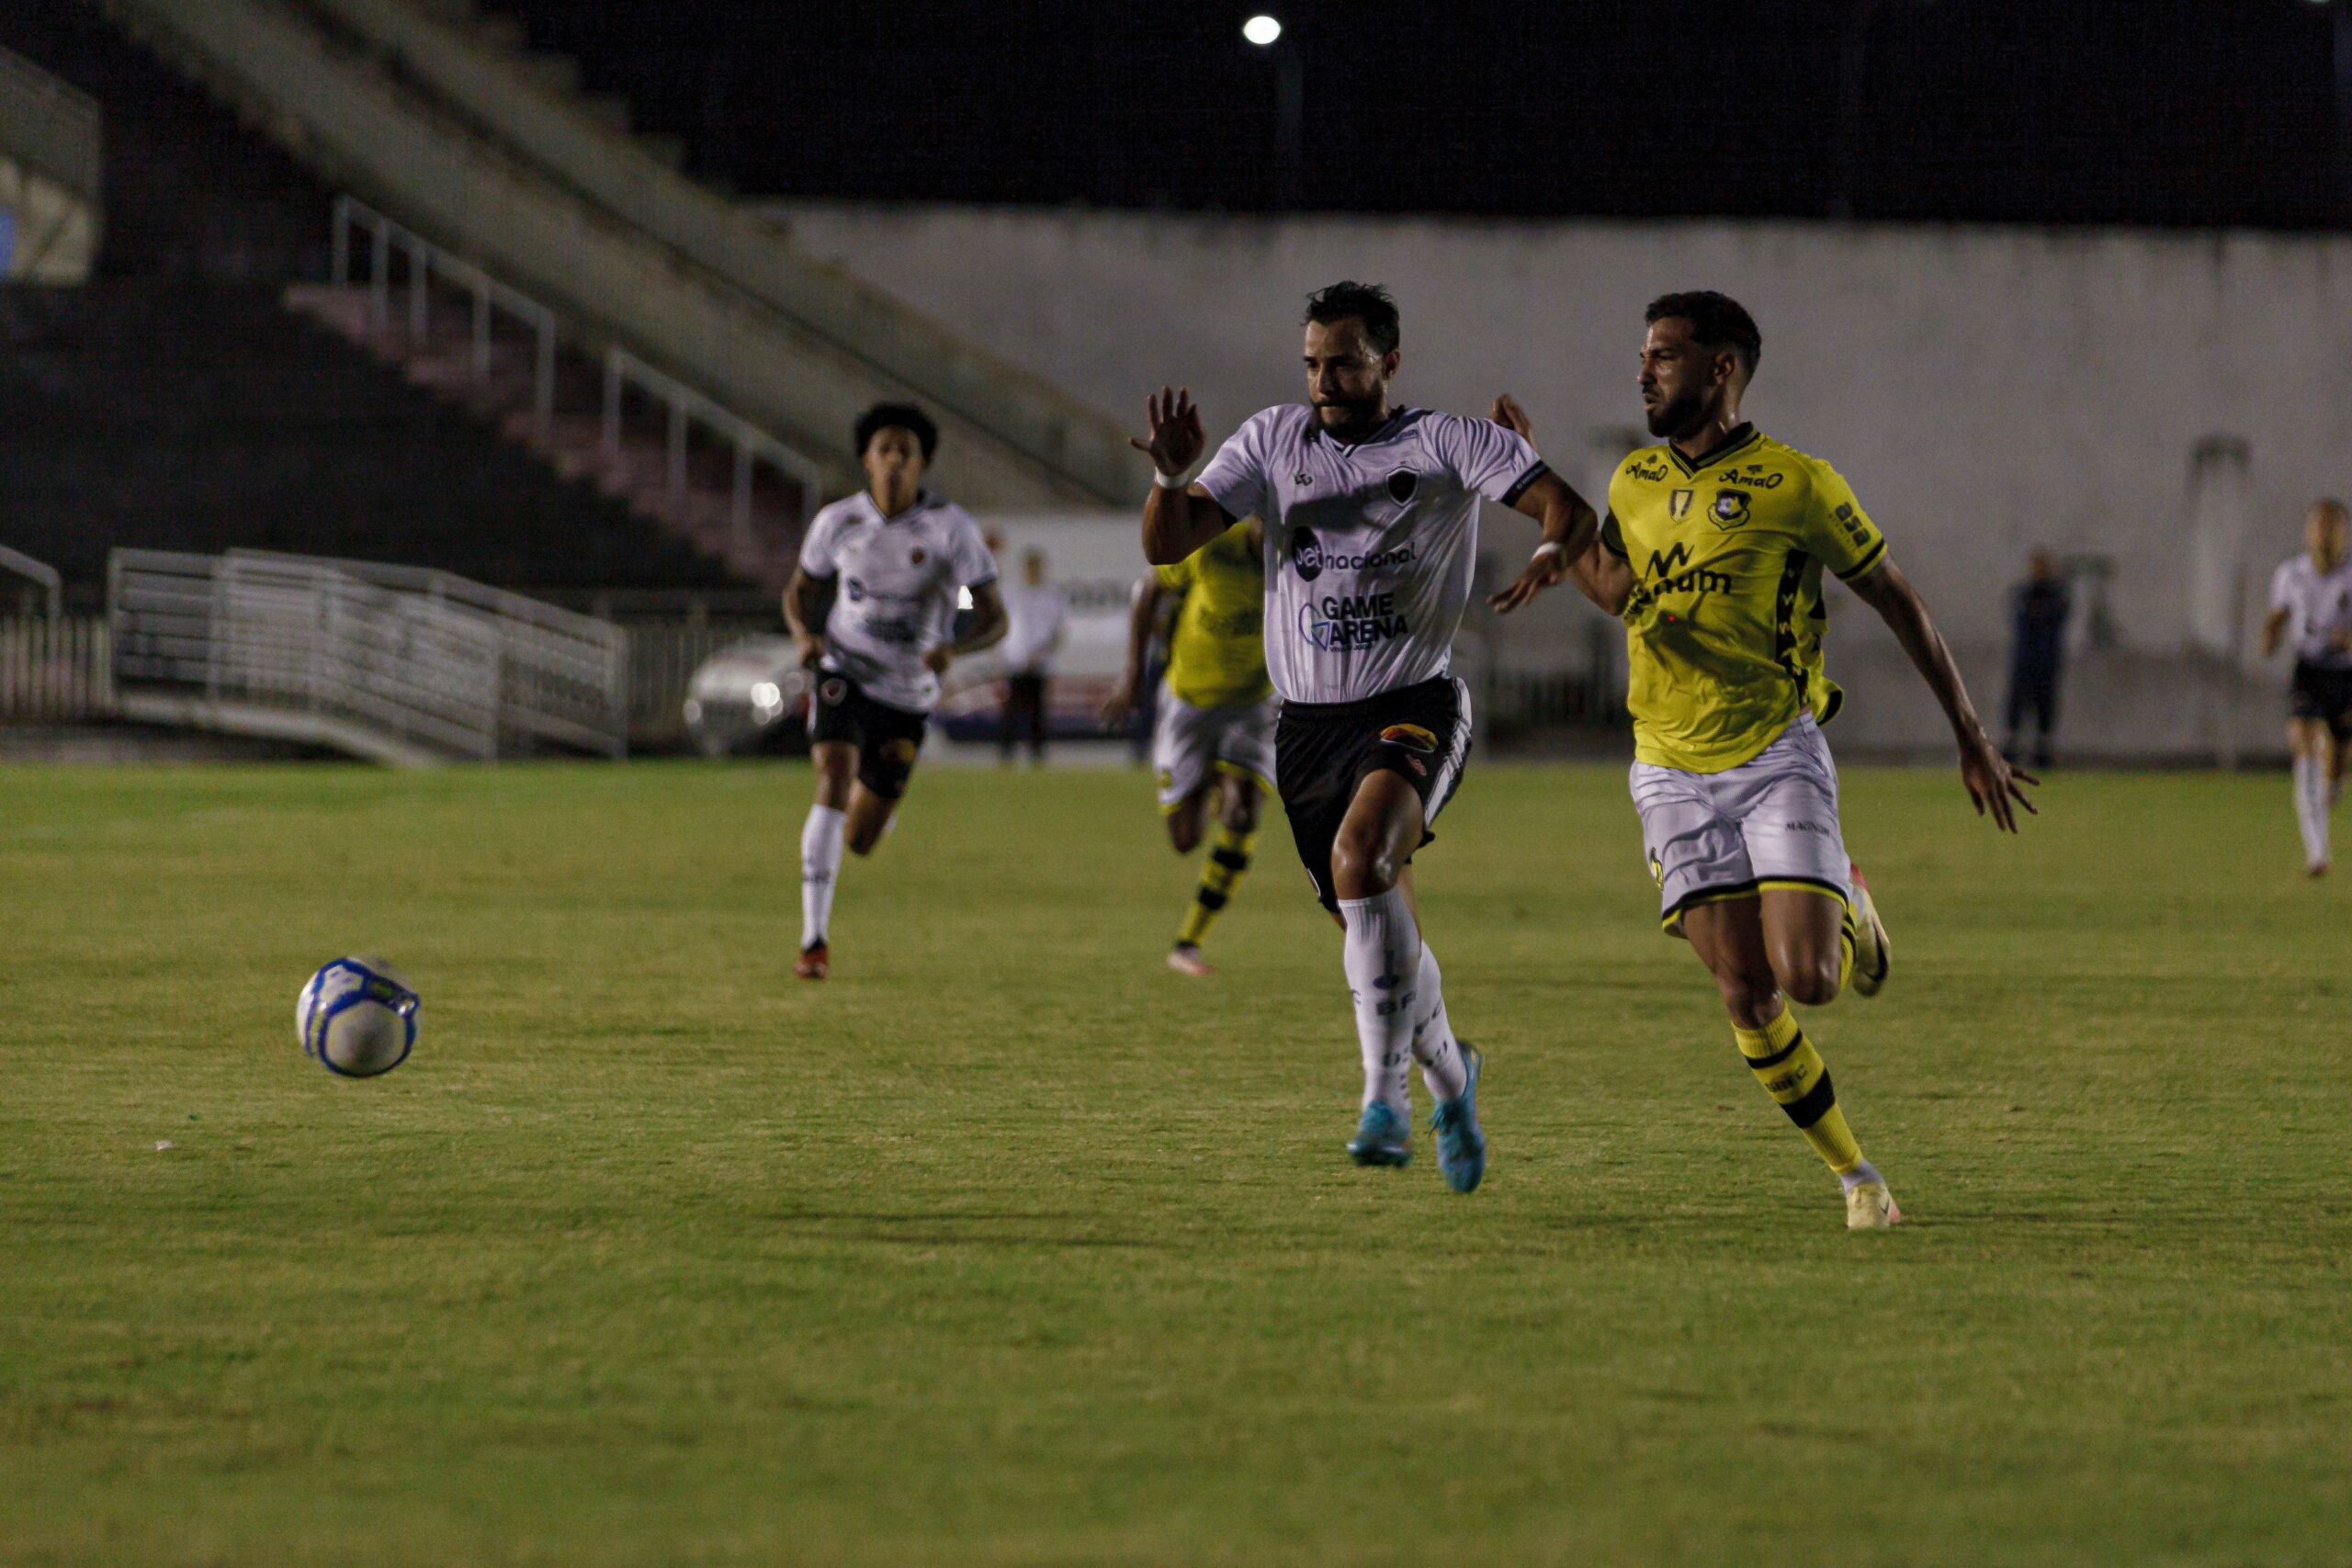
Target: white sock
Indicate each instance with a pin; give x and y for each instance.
(2310, 807)
(1443, 1067)
(821, 867)
(1382, 955)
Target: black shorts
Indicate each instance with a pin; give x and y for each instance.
(1323, 750)
(2325, 695)
(887, 737)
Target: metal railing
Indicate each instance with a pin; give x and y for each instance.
(58, 667)
(425, 258)
(394, 661)
(684, 407)
(50, 128)
(18, 564)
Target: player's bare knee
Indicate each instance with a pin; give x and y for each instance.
(1811, 985)
(1361, 866)
(1185, 833)
(1748, 994)
(1240, 813)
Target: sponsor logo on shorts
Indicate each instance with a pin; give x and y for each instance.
(1166, 778)
(900, 752)
(1806, 828)
(1411, 737)
(1342, 623)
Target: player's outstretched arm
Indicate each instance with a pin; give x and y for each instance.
(1992, 784)
(1143, 614)
(1178, 518)
(2273, 627)
(1570, 526)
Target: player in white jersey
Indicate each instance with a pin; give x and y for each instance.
(897, 559)
(2310, 610)
(1371, 516)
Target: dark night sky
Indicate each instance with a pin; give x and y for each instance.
(2056, 111)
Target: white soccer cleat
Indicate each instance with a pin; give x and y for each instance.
(1870, 1207)
(1185, 959)
(1874, 954)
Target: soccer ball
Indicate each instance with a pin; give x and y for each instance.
(358, 1017)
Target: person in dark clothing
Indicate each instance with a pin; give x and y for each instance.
(2038, 609)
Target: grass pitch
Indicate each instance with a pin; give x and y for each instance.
(1006, 1246)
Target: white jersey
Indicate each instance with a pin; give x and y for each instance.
(2319, 610)
(1036, 615)
(901, 578)
(1369, 545)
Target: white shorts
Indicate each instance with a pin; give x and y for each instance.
(1190, 744)
(1770, 822)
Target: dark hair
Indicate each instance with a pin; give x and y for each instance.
(1717, 321)
(1365, 302)
(897, 416)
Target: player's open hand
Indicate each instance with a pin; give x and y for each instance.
(1511, 417)
(1176, 439)
(1993, 784)
(1546, 570)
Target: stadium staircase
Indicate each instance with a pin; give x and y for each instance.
(435, 118)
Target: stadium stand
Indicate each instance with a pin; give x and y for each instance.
(175, 403)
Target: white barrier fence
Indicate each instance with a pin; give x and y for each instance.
(59, 667)
(403, 665)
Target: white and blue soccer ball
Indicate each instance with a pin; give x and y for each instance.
(358, 1017)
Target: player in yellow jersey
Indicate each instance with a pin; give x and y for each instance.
(1713, 552)
(1215, 736)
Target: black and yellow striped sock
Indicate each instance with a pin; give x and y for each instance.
(1793, 1073)
(1227, 858)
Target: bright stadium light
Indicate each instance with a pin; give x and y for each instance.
(1261, 30)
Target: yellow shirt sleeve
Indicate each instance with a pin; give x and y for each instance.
(1838, 531)
(1176, 578)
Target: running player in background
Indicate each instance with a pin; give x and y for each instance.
(1371, 515)
(898, 558)
(2310, 609)
(1214, 739)
(1712, 553)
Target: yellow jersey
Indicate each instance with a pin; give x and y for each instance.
(1217, 655)
(1724, 631)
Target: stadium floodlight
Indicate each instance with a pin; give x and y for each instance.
(1261, 30)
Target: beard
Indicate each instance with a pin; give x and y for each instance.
(1677, 415)
(1335, 415)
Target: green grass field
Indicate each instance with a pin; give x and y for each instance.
(1006, 1246)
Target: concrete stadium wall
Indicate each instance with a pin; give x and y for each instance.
(1986, 390)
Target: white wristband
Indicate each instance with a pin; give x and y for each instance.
(1171, 482)
(1548, 547)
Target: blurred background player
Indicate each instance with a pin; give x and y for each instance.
(897, 559)
(1214, 739)
(1371, 515)
(1712, 553)
(1038, 612)
(2310, 609)
(2038, 610)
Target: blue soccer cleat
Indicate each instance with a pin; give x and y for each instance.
(1461, 1145)
(1382, 1137)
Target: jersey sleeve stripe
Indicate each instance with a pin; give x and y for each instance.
(1861, 568)
(1525, 481)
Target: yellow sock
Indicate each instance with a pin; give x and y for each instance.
(1227, 858)
(1794, 1073)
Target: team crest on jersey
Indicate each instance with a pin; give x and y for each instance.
(1730, 508)
(1411, 737)
(1402, 484)
(1679, 507)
